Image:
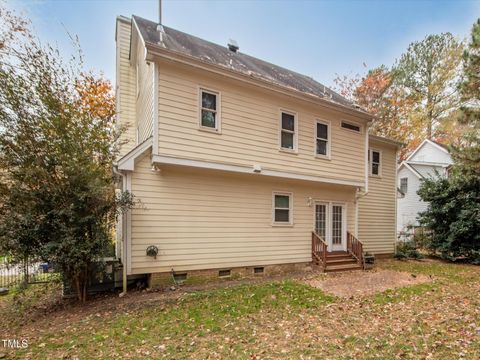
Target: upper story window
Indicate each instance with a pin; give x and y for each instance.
(350, 126)
(209, 114)
(322, 139)
(282, 208)
(288, 132)
(375, 161)
(404, 185)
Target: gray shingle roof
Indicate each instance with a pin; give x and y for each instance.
(181, 42)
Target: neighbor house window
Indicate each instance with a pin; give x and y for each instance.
(288, 132)
(404, 185)
(282, 208)
(375, 162)
(209, 116)
(322, 139)
(350, 126)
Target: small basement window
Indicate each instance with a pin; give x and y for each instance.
(209, 114)
(282, 208)
(350, 126)
(258, 270)
(224, 273)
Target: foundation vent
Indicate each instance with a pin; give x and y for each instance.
(180, 278)
(258, 270)
(224, 273)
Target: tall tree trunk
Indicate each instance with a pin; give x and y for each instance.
(85, 282)
(429, 128)
(78, 287)
(429, 116)
(25, 272)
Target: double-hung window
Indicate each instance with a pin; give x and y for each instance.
(209, 112)
(322, 139)
(375, 158)
(288, 132)
(282, 208)
(404, 185)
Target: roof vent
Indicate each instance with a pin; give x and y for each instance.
(233, 46)
(161, 32)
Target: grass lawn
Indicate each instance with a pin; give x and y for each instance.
(275, 319)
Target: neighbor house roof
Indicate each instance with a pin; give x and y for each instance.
(442, 147)
(206, 51)
(409, 167)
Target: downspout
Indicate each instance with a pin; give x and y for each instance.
(124, 255)
(396, 200)
(359, 193)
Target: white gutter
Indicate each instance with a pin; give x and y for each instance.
(396, 205)
(359, 194)
(156, 74)
(367, 169)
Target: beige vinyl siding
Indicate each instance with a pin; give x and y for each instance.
(250, 126)
(144, 101)
(376, 220)
(203, 219)
(125, 88)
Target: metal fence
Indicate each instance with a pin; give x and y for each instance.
(31, 271)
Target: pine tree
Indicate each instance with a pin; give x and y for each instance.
(428, 73)
(467, 155)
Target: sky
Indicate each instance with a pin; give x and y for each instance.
(317, 38)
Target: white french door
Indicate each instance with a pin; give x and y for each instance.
(330, 224)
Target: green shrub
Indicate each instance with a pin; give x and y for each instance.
(422, 238)
(453, 215)
(407, 250)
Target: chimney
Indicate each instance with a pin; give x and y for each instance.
(233, 46)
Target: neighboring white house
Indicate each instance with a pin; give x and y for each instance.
(430, 159)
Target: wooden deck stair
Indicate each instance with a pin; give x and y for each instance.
(352, 259)
(341, 261)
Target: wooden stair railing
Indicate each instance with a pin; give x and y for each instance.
(319, 250)
(355, 248)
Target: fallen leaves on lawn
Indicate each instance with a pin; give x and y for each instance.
(437, 319)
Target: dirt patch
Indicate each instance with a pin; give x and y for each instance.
(354, 283)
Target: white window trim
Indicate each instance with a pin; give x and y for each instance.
(344, 223)
(327, 217)
(329, 140)
(370, 162)
(218, 128)
(295, 132)
(353, 123)
(290, 209)
(328, 233)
